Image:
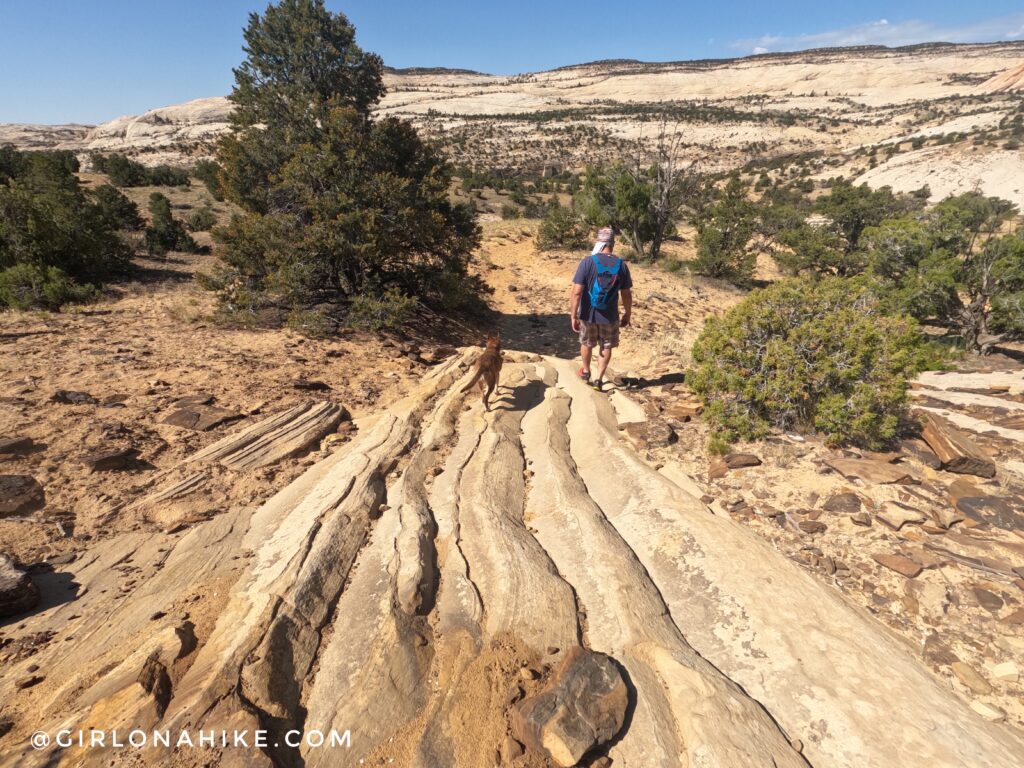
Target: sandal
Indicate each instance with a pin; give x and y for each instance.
(597, 385)
(585, 374)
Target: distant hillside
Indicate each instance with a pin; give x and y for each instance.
(858, 111)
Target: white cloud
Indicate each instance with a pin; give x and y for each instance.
(896, 33)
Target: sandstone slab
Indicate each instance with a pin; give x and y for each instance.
(896, 515)
(902, 565)
(200, 417)
(955, 450)
(872, 471)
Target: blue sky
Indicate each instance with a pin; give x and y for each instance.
(91, 60)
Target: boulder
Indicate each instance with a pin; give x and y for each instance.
(17, 592)
(581, 706)
(956, 452)
(311, 386)
(683, 410)
(861, 518)
(20, 494)
(651, 434)
(988, 600)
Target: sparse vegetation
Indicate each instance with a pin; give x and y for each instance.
(125, 172)
(165, 233)
(206, 171)
(202, 219)
(561, 228)
(724, 230)
(57, 240)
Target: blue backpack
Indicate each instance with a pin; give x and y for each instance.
(605, 288)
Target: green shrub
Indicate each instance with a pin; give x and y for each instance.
(30, 286)
(809, 355)
(165, 233)
(511, 211)
(125, 172)
(376, 313)
(117, 210)
(334, 199)
(48, 220)
(561, 228)
(206, 172)
(202, 219)
(723, 236)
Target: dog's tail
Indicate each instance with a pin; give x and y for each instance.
(474, 380)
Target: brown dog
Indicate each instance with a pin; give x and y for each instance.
(488, 366)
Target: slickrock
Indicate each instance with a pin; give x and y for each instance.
(955, 450)
(20, 494)
(273, 439)
(582, 706)
(17, 592)
(399, 585)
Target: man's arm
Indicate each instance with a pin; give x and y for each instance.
(574, 306)
(627, 306)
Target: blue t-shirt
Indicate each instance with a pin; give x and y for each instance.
(586, 274)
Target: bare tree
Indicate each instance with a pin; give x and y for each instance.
(672, 181)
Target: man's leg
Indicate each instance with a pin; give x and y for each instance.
(585, 353)
(602, 362)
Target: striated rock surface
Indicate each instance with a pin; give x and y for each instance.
(413, 587)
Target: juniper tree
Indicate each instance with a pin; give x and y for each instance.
(334, 202)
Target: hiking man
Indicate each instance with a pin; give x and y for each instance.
(599, 280)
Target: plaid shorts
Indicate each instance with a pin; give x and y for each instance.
(603, 335)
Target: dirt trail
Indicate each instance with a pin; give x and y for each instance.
(397, 587)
